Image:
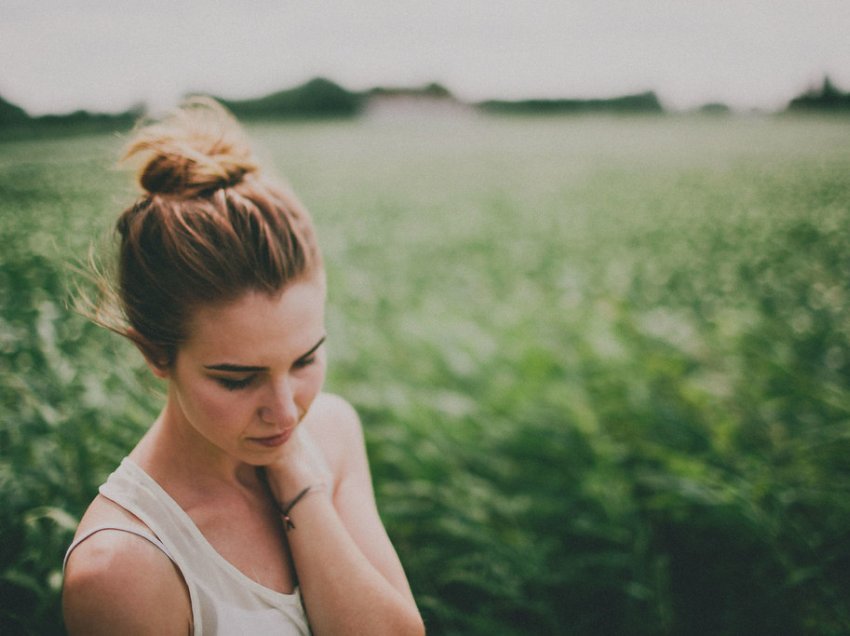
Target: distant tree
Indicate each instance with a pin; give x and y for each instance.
(638, 103)
(714, 108)
(436, 90)
(828, 99)
(319, 97)
(106, 121)
(11, 115)
(428, 90)
(16, 123)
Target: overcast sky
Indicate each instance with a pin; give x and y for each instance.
(61, 55)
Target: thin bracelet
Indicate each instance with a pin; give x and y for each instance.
(284, 510)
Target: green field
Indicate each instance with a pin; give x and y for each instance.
(603, 364)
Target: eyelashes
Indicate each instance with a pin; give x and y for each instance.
(305, 362)
(235, 384)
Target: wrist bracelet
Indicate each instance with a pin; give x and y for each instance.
(284, 510)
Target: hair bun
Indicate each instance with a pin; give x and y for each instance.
(197, 148)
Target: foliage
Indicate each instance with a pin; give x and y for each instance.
(318, 98)
(10, 114)
(828, 99)
(16, 123)
(432, 90)
(639, 103)
(602, 364)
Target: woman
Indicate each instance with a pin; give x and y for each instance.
(247, 508)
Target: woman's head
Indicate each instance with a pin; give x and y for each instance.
(207, 229)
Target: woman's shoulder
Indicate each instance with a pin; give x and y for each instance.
(333, 422)
(335, 426)
(333, 412)
(116, 580)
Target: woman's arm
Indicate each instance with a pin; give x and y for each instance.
(350, 576)
(117, 583)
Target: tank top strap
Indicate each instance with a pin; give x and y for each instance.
(144, 534)
(224, 600)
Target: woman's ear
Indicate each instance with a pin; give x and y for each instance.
(154, 356)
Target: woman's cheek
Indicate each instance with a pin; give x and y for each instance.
(216, 399)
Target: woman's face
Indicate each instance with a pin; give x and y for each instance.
(249, 371)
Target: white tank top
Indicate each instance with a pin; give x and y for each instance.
(224, 600)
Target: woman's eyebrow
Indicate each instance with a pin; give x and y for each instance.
(313, 349)
(235, 368)
(241, 368)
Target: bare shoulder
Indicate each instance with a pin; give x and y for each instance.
(332, 421)
(117, 582)
(332, 410)
(335, 426)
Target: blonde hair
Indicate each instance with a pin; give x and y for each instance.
(207, 228)
(197, 148)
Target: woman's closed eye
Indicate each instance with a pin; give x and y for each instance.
(306, 361)
(234, 384)
(310, 357)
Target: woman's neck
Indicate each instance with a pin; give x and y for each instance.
(176, 455)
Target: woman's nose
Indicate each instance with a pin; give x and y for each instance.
(279, 407)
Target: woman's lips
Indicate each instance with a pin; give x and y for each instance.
(272, 440)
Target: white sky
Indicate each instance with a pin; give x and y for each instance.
(61, 55)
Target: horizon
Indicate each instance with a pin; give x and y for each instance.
(145, 107)
(106, 57)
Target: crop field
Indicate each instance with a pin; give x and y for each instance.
(603, 364)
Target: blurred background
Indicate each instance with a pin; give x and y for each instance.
(588, 267)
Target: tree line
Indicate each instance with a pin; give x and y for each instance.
(322, 98)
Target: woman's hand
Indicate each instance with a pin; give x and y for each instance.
(348, 572)
(302, 464)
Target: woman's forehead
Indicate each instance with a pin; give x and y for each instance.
(257, 320)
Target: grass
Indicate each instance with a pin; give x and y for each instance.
(602, 363)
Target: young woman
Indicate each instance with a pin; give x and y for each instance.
(247, 508)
